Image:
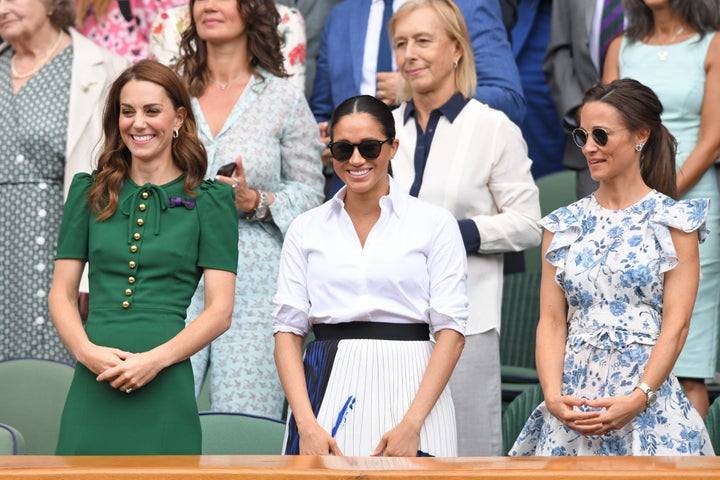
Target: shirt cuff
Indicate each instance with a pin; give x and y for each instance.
(470, 235)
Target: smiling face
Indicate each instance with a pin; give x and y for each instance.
(21, 19)
(147, 121)
(425, 53)
(618, 156)
(218, 21)
(362, 176)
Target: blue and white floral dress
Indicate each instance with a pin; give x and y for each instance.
(611, 265)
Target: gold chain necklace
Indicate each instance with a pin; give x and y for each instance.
(39, 65)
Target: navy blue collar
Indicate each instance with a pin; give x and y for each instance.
(450, 109)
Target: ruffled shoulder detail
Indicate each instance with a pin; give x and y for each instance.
(217, 191)
(685, 215)
(83, 181)
(566, 224)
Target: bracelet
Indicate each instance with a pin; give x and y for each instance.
(251, 213)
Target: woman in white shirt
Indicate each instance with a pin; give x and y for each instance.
(462, 155)
(373, 273)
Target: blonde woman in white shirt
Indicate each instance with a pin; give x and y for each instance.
(373, 273)
(462, 155)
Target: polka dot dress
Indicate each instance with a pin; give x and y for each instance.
(33, 123)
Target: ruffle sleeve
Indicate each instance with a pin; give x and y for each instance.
(73, 236)
(218, 216)
(684, 215)
(565, 223)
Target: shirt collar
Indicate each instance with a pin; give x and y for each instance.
(450, 109)
(396, 200)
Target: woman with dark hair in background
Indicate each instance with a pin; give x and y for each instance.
(253, 120)
(372, 272)
(607, 340)
(672, 47)
(149, 227)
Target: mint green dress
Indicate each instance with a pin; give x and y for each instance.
(676, 73)
(144, 265)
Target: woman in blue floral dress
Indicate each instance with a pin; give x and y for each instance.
(607, 341)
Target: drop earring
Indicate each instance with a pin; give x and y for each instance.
(639, 147)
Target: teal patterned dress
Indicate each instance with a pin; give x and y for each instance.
(611, 266)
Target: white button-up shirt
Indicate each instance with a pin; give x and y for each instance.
(412, 268)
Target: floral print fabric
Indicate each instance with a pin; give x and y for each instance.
(611, 265)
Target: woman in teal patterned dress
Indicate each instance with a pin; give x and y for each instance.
(149, 227)
(619, 278)
(251, 116)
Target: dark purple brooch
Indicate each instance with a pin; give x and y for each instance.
(178, 201)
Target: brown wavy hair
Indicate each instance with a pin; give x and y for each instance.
(115, 159)
(640, 108)
(263, 40)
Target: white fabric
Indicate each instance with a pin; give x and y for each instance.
(595, 34)
(368, 80)
(378, 380)
(412, 268)
(478, 169)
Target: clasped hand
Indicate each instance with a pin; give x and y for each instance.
(121, 369)
(606, 414)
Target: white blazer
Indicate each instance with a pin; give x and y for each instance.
(478, 169)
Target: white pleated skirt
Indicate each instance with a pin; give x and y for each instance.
(362, 388)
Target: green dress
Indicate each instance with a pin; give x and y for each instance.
(144, 265)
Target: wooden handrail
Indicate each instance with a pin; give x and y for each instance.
(259, 467)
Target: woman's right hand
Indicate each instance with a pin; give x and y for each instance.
(315, 440)
(98, 359)
(564, 409)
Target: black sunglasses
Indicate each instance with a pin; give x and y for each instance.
(599, 136)
(369, 149)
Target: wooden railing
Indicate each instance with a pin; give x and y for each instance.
(367, 468)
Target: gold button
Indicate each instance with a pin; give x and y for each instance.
(131, 280)
(133, 248)
(140, 221)
(126, 304)
(131, 264)
(128, 292)
(145, 195)
(136, 236)
(142, 207)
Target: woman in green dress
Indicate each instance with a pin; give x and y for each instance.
(148, 226)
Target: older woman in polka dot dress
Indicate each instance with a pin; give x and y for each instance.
(52, 86)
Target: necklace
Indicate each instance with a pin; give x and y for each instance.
(225, 85)
(662, 55)
(38, 65)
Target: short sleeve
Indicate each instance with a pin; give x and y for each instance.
(218, 216)
(565, 224)
(73, 236)
(684, 215)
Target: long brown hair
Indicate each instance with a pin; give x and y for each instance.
(263, 42)
(640, 108)
(99, 7)
(113, 167)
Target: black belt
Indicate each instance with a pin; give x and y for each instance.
(372, 330)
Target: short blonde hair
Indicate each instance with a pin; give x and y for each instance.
(455, 27)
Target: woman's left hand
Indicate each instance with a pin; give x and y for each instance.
(133, 373)
(401, 441)
(245, 197)
(619, 411)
